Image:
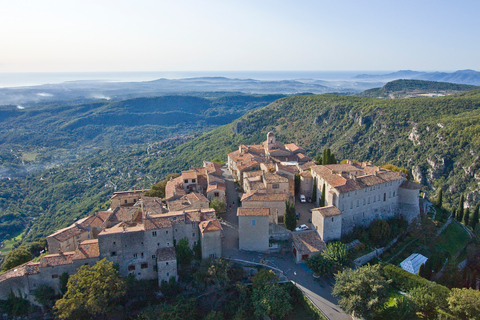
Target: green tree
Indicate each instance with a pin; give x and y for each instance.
(63, 282)
(16, 257)
(272, 301)
(314, 192)
(320, 265)
(16, 305)
(264, 277)
(440, 198)
(218, 205)
(428, 300)
(45, 296)
(379, 232)
(182, 308)
(421, 270)
(184, 253)
(322, 198)
(338, 253)
(92, 291)
(214, 315)
(464, 303)
(297, 183)
(290, 218)
(158, 189)
(460, 209)
(466, 218)
(475, 217)
(363, 291)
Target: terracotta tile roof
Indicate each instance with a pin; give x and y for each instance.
(259, 196)
(215, 186)
(250, 174)
(303, 157)
(58, 259)
(151, 205)
(124, 194)
(253, 212)
(123, 214)
(307, 174)
(157, 222)
(307, 165)
(255, 185)
(87, 249)
(308, 242)
(194, 197)
(329, 211)
(104, 215)
(347, 177)
(190, 174)
(123, 227)
(291, 169)
(213, 168)
(210, 226)
(274, 178)
(67, 233)
(166, 254)
(410, 185)
(248, 164)
(200, 215)
(174, 188)
(293, 147)
(187, 201)
(27, 268)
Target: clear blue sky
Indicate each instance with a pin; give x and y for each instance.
(181, 35)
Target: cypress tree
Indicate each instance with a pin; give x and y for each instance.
(290, 219)
(322, 199)
(314, 193)
(326, 156)
(475, 217)
(440, 198)
(460, 209)
(454, 212)
(332, 159)
(466, 218)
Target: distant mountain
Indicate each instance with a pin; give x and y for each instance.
(471, 77)
(415, 88)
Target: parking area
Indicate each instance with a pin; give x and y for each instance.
(304, 210)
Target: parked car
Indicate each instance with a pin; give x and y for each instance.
(302, 198)
(302, 228)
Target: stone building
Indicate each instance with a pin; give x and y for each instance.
(166, 264)
(125, 198)
(211, 234)
(26, 278)
(253, 229)
(327, 221)
(275, 202)
(363, 193)
(306, 244)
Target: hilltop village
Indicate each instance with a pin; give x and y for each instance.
(139, 233)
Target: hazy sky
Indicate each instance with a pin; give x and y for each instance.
(182, 35)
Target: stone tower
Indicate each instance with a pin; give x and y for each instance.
(271, 140)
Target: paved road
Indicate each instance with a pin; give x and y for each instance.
(318, 292)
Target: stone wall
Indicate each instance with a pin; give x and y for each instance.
(253, 233)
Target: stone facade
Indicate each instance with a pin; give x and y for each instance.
(253, 229)
(125, 198)
(327, 221)
(364, 193)
(211, 238)
(274, 202)
(166, 264)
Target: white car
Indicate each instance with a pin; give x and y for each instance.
(302, 198)
(302, 228)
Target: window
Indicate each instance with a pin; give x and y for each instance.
(378, 197)
(368, 200)
(275, 186)
(154, 233)
(168, 244)
(176, 230)
(54, 276)
(126, 201)
(141, 243)
(351, 205)
(384, 197)
(355, 192)
(193, 234)
(168, 274)
(194, 243)
(332, 219)
(134, 200)
(166, 263)
(141, 254)
(253, 222)
(358, 203)
(185, 181)
(216, 194)
(153, 256)
(394, 194)
(348, 194)
(144, 265)
(166, 232)
(193, 181)
(113, 254)
(114, 243)
(370, 188)
(135, 256)
(131, 267)
(364, 201)
(158, 244)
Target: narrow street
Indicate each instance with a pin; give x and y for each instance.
(320, 293)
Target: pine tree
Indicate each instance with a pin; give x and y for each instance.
(475, 217)
(460, 209)
(322, 199)
(466, 218)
